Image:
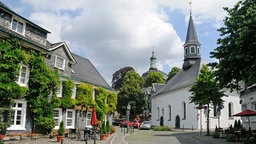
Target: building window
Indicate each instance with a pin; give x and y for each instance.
(186, 50)
(23, 75)
(19, 117)
(88, 119)
(70, 118)
(230, 109)
(59, 62)
(158, 113)
(170, 112)
(74, 91)
(184, 110)
(57, 113)
(17, 26)
(198, 50)
(59, 90)
(192, 50)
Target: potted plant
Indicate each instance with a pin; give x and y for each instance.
(108, 128)
(60, 132)
(103, 130)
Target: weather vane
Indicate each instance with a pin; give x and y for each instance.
(190, 2)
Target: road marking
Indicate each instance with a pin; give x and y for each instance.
(113, 139)
(124, 140)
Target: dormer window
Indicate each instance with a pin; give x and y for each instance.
(59, 62)
(17, 26)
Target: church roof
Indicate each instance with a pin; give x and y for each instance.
(182, 79)
(84, 71)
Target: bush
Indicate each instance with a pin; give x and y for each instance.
(108, 127)
(162, 128)
(231, 138)
(216, 135)
(61, 129)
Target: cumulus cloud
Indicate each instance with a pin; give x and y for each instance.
(114, 34)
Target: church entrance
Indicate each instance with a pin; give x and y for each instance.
(177, 122)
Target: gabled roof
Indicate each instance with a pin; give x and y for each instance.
(182, 79)
(84, 71)
(28, 21)
(58, 45)
(157, 86)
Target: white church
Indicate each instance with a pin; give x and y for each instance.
(172, 101)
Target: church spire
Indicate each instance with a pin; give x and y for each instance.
(152, 62)
(192, 45)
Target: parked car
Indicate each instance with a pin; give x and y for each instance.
(145, 125)
(125, 123)
(136, 123)
(116, 122)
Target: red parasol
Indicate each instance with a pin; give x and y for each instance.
(247, 113)
(94, 121)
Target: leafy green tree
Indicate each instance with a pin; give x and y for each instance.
(206, 91)
(118, 77)
(236, 51)
(131, 92)
(173, 72)
(153, 77)
(42, 98)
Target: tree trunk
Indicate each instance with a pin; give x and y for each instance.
(208, 120)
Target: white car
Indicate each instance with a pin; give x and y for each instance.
(145, 125)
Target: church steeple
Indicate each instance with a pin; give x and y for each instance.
(192, 45)
(152, 62)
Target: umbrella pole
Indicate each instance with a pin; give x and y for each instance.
(94, 135)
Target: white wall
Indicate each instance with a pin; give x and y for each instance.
(193, 117)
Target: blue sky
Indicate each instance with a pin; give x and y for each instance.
(113, 34)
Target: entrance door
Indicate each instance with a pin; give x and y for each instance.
(177, 122)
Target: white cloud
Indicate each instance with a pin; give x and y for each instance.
(114, 34)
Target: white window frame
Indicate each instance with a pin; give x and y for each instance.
(59, 91)
(16, 28)
(72, 118)
(74, 91)
(63, 64)
(17, 109)
(26, 77)
(58, 118)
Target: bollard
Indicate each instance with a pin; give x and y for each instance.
(192, 128)
(61, 141)
(183, 127)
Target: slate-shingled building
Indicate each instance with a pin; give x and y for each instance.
(57, 55)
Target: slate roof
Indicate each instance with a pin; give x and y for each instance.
(182, 79)
(191, 33)
(84, 71)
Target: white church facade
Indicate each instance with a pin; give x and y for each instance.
(172, 101)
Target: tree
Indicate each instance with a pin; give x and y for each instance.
(206, 91)
(153, 77)
(118, 77)
(236, 50)
(173, 72)
(131, 92)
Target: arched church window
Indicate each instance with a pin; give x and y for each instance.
(184, 110)
(170, 112)
(186, 50)
(192, 50)
(230, 109)
(158, 113)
